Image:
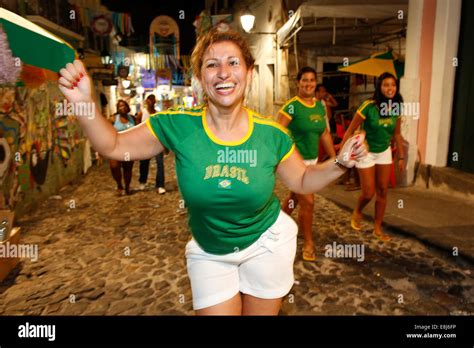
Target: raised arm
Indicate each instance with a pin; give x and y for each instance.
(303, 179)
(133, 144)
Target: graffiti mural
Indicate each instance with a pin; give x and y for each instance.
(66, 133)
(11, 124)
(38, 163)
(31, 137)
(38, 140)
(5, 157)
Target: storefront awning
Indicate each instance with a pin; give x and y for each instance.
(337, 9)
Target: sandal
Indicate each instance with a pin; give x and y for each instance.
(309, 254)
(382, 236)
(356, 224)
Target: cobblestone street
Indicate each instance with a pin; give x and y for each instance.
(100, 254)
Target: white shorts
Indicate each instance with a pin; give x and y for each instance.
(373, 158)
(310, 161)
(263, 270)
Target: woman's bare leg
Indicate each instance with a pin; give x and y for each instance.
(115, 168)
(367, 181)
(127, 174)
(305, 218)
(382, 175)
(259, 306)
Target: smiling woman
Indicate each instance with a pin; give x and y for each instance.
(381, 122)
(240, 258)
(306, 118)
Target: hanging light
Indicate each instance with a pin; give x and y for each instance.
(247, 20)
(105, 57)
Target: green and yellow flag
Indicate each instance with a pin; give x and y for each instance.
(34, 45)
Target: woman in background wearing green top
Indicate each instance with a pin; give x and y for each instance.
(380, 118)
(306, 118)
(240, 258)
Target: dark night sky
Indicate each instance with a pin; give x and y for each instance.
(144, 11)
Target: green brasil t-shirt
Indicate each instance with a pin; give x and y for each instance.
(379, 129)
(227, 186)
(307, 123)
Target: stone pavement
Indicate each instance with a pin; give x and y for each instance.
(435, 218)
(100, 254)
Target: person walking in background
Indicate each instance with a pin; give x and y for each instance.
(122, 120)
(380, 119)
(306, 118)
(330, 102)
(149, 109)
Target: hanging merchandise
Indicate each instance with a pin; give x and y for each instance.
(102, 25)
(148, 78)
(165, 51)
(164, 36)
(116, 22)
(174, 62)
(186, 68)
(186, 61)
(123, 23)
(222, 22)
(159, 62)
(163, 76)
(203, 23)
(102, 22)
(9, 69)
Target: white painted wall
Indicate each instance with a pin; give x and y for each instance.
(410, 84)
(269, 18)
(446, 37)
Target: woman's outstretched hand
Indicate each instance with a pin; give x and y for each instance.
(354, 150)
(75, 83)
